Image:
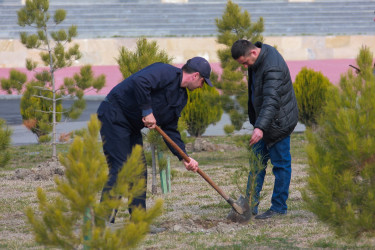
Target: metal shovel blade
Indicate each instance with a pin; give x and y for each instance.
(237, 217)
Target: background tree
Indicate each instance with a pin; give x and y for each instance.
(228, 129)
(311, 90)
(75, 217)
(5, 138)
(235, 25)
(41, 116)
(202, 109)
(15, 82)
(146, 53)
(341, 186)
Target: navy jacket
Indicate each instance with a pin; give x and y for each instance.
(155, 87)
(274, 108)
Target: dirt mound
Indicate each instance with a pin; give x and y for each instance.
(44, 171)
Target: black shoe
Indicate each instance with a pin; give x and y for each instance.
(268, 214)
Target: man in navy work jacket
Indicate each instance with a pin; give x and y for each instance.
(273, 111)
(154, 95)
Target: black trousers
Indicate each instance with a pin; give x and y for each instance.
(119, 137)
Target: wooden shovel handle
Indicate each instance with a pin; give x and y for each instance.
(186, 158)
(172, 143)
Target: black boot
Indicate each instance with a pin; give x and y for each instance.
(268, 214)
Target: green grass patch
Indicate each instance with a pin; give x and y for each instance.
(29, 156)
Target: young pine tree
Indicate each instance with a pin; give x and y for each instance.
(74, 217)
(5, 138)
(146, 53)
(202, 109)
(228, 129)
(245, 175)
(311, 90)
(42, 115)
(341, 186)
(235, 25)
(34, 110)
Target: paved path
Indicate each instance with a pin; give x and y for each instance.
(10, 112)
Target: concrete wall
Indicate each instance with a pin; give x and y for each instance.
(104, 51)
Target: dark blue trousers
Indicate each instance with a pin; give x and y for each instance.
(119, 137)
(280, 157)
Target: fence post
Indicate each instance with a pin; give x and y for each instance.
(165, 176)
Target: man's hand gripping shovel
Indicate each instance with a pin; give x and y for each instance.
(241, 206)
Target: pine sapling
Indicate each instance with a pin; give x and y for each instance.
(245, 179)
(340, 188)
(73, 217)
(41, 102)
(202, 109)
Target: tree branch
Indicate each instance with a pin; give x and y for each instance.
(64, 98)
(49, 112)
(42, 88)
(43, 97)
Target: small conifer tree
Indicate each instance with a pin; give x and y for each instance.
(235, 25)
(35, 110)
(5, 137)
(311, 90)
(228, 129)
(41, 116)
(74, 217)
(341, 187)
(146, 53)
(202, 109)
(245, 175)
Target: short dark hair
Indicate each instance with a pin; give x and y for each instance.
(241, 48)
(188, 69)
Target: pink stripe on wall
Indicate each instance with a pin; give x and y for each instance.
(332, 69)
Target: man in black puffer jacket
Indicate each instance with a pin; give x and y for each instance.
(273, 112)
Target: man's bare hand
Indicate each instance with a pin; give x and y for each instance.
(257, 136)
(149, 121)
(192, 165)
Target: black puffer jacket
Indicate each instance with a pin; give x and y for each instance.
(275, 109)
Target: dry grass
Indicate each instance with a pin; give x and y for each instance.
(194, 214)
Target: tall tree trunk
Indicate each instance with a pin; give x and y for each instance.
(54, 153)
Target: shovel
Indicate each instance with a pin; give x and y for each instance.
(238, 206)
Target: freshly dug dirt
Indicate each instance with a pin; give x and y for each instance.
(44, 171)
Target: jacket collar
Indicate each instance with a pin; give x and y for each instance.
(260, 56)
